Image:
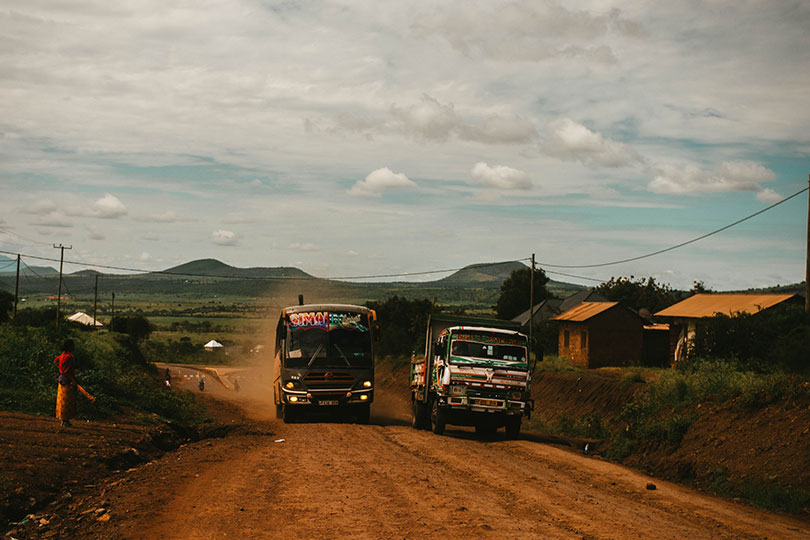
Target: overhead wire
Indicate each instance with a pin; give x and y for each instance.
(541, 264)
(682, 244)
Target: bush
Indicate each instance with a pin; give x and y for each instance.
(109, 366)
(557, 364)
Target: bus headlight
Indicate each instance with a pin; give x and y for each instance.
(363, 397)
(293, 399)
(366, 384)
(289, 385)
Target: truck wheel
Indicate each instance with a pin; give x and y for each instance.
(513, 427)
(287, 414)
(364, 414)
(485, 431)
(418, 415)
(438, 418)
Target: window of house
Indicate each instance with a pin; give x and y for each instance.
(584, 340)
(566, 338)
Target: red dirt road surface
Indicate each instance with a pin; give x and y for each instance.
(328, 479)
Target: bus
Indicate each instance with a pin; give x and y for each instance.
(324, 361)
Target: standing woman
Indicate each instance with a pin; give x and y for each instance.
(66, 392)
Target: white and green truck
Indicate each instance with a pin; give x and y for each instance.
(475, 372)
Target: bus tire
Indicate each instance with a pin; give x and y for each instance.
(364, 414)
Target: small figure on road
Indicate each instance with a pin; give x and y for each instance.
(168, 375)
(202, 384)
(66, 389)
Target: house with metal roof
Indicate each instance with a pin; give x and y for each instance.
(599, 334)
(686, 316)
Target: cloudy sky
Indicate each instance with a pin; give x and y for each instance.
(357, 138)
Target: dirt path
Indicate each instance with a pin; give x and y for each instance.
(386, 480)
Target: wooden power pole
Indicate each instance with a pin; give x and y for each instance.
(531, 310)
(17, 287)
(59, 291)
(95, 304)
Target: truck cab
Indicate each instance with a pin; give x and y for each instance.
(475, 374)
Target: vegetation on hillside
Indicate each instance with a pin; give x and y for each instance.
(109, 365)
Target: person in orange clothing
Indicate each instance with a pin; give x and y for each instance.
(66, 390)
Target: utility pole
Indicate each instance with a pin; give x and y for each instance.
(59, 293)
(807, 254)
(531, 309)
(95, 304)
(17, 287)
(113, 312)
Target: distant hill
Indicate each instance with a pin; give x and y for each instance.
(480, 275)
(9, 268)
(213, 267)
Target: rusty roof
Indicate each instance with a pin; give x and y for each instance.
(708, 305)
(584, 311)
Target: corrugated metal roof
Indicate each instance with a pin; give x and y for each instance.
(708, 305)
(657, 327)
(584, 311)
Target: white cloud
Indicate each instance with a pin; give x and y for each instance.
(379, 181)
(224, 238)
(93, 233)
(298, 246)
(352, 253)
(151, 236)
(166, 217)
(537, 31)
(430, 119)
(42, 207)
(769, 196)
(571, 141)
(55, 221)
(500, 176)
(108, 207)
(145, 257)
(728, 176)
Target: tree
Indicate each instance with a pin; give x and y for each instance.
(638, 293)
(6, 305)
(514, 297)
(402, 324)
(136, 326)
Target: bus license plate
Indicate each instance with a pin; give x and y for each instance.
(328, 402)
(488, 402)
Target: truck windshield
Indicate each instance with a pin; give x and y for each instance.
(488, 351)
(340, 348)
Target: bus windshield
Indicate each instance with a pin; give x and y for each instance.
(328, 340)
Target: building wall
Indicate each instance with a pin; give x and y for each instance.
(616, 338)
(576, 350)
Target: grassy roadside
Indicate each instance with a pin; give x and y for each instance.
(110, 366)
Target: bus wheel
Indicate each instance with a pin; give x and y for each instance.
(418, 414)
(364, 413)
(438, 418)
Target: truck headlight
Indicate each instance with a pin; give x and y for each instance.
(366, 384)
(458, 389)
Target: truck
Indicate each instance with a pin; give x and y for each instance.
(475, 372)
(324, 361)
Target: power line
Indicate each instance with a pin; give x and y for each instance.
(682, 244)
(262, 278)
(21, 237)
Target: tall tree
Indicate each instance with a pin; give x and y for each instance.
(6, 305)
(638, 293)
(514, 297)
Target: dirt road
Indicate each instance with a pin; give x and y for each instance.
(340, 480)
